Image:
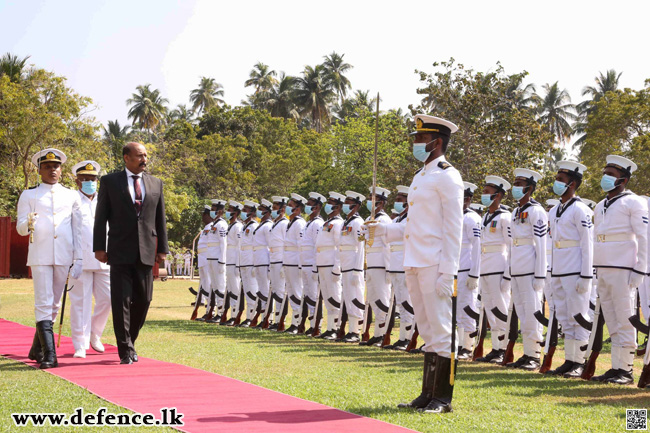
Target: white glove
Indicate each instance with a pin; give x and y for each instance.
(253, 273)
(379, 229)
(583, 285)
(388, 281)
(538, 284)
(32, 217)
(505, 285)
(445, 285)
(222, 270)
(77, 268)
(472, 283)
(314, 276)
(282, 273)
(636, 280)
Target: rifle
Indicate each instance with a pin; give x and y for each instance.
(213, 303)
(226, 307)
(65, 292)
(258, 311)
(241, 307)
(414, 339)
(367, 321)
(644, 379)
(319, 315)
(343, 321)
(267, 312)
(197, 303)
(480, 332)
(304, 313)
(391, 322)
(595, 340)
(284, 309)
(454, 296)
(551, 343)
(513, 333)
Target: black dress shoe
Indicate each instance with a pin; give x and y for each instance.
(372, 341)
(494, 354)
(309, 332)
(134, 357)
(202, 318)
(464, 354)
(575, 372)
(245, 324)
(622, 378)
(518, 363)
(350, 337)
(230, 322)
(273, 327)
(417, 350)
(605, 376)
(292, 330)
(400, 345)
(215, 319)
(530, 364)
(329, 335)
(436, 406)
(126, 360)
(568, 365)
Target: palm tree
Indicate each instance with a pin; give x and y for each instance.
(359, 102)
(12, 66)
(279, 100)
(314, 94)
(261, 77)
(181, 112)
(115, 136)
(207, 95)
(335, 67)
(604, 83)
(556, 112)
(147, 107)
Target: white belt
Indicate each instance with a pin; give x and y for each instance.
(522, 241)
(549, 252)
(275, 249)
(565, 244)
(375, 250)
(201, 250)
(247, 247)
(347, 248)
(291, 249)
(306, 248)
(493, 248)
(259, 247)
(232, 247)
(618, 237)
(465, 246)
(395, 248)
(328, 248)
(213, 244)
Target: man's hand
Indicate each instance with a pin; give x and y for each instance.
(445, 285)
(583, 285)
(538, 284)
(379, 229)
(77, 268)
(636, 280)
(32, 217)
(160, 257)
(101, 256)
(472, 283)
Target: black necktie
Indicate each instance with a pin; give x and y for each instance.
(138, 194)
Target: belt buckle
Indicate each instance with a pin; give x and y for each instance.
(483, 249)
(601, 238)
(557, 244)
(318, 250)
(515, 242)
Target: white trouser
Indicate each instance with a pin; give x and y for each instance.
(404, 304)
(261, 274)
(204, 280)
(83, 321)
(432, 312)
(492, 296)
(617, 304)
(218, 280)
(465, 298)
(186, 269)
(179, 269)
(644, 297)
(168, 268)
(568, 302)
(378, 285)
(293, 277)
(278, 286)
(549, 291)
(49, 281)
(249, 283)
(527, 301)
(310, 287)
(594, 296)
(233, 287)
(330, 287)
(353, 295)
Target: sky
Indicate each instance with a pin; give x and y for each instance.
(107, 48)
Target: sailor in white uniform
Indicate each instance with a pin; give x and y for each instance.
(276, 248)
(594, 282)
(233, 279)
(246, 262)
(187, 258)
(261, 256)
(51, 215)
(86, 325)
(216, 255)
(292, 259)
(202, 256)
(309, 270)
(620, 259)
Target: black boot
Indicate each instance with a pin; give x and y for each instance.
(567, 366)
(46, 337)
(494, 354)
(428, 377)
(605, 376)
(443, 390)
(575, 372)
(622, 378)
(36, 352)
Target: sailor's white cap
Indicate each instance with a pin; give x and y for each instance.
(531, 175)
(355, 196)
(498, 182)
(49, 155)
(621, 163)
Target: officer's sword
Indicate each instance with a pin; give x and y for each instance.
(65, 292)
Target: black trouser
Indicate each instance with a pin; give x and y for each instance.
(131, 290)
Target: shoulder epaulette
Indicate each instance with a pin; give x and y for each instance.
(444, 165)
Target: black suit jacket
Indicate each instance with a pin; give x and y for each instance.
(130, 237)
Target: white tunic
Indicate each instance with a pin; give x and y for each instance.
(308, 241)
(57, 232)
(202, 245)
(217, 240)
(470, 251)
(571, 239)
(233, 236)
(88, 206)
(396, 262)
(350, 248)
(292, 241)
(276, 239)
(378, 256)
(495, 243)
(261, 239)
(328, 238)
(433, 229)
(246, 244)
(624, 215)
(529, 227)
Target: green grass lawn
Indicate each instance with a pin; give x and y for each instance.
(366, 381)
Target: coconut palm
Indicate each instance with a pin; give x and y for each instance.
(352, 106)
(147, 107)
(556, 112)
(115, 136)
(279, 100)
(604, 83)
(335, 67)
(313, 95)
(181, 112)
(261, 77)
(12, 66)
(207, 95)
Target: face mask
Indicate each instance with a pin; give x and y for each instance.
(560, 188)
(245, 215)
(213, 214)
(518, 192)
(228, 215)
(259, 214)
(399, 206)
(329, 208)
(274, 214)
(346, 209)
(89, 187)
(608, 183)
(487, 200)
(369, 206)
(419, 151)
(308, 210)
(288, 210)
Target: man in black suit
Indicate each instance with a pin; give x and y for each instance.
(132, 204)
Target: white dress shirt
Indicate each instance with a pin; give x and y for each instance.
(129, 177)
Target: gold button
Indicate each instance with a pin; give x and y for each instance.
(422, 173)
(53, 213)
(407, 219)
(411, 204)
(54, 236)
(407, 236)
(414, 188)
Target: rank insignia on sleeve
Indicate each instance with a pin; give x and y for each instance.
(444, 165)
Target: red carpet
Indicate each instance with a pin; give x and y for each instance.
(149, 385)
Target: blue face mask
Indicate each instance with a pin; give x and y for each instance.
(213, 214)
(228, 215)
(419, 151)
(245, 215)
(487, 200)
(518, 192)
(274, 214)
(399, 206)
(560, 188)
(608, 183)
(329, 208)
(89, 187)
(346, 209)
(259, 214)
(308, 210)
(288, 210)
(369, 205)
